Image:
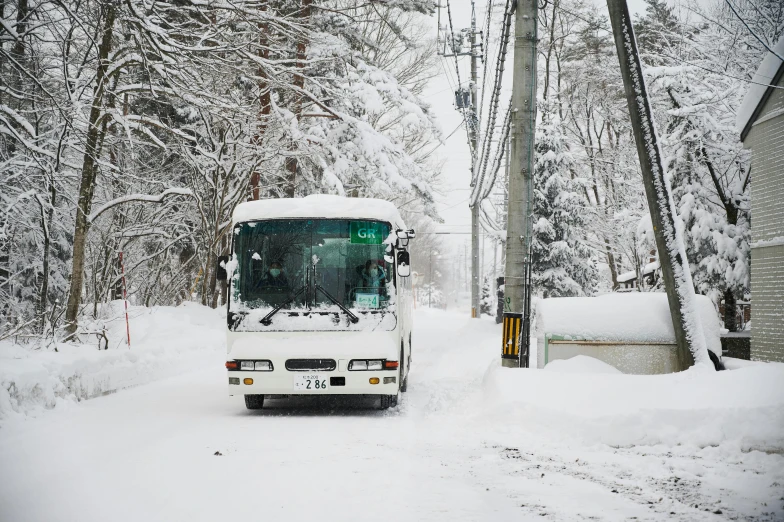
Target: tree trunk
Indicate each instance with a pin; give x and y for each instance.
(299, 83)
(46, 222)
(265, 103)
(18, 52)
(730, 312)
(611, 263)
(89, 173)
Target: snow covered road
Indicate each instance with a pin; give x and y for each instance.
(180, 449)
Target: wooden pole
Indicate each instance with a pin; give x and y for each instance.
(689, 338)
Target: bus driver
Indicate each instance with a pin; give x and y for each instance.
(274, 277)
(372, 275)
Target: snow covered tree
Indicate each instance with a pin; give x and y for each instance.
(138, 127)
(562, 263)
(487, 301)
(696, 84)
(592, 107)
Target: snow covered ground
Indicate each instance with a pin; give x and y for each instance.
(166, 341)
(470, 441)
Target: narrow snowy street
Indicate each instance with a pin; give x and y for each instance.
(180, 449)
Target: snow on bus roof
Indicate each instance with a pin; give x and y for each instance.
(631, 317)
(319, 206)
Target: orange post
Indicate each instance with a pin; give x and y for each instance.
(125, 298)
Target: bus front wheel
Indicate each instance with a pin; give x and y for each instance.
(254, 402)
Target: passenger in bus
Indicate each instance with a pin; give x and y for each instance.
(274, 277)
(372, 275)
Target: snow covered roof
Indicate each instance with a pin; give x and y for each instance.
(769, 71)
(319, 206)
(647, 269)
(631, 317)
(650, 268)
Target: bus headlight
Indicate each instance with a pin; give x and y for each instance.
(357, 365)
(249, 366)
(373, 364)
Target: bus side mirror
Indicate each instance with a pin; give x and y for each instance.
(220, 268)
(403, 263)
(405, 234)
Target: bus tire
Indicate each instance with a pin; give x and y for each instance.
(254, 402)
(387, 401)
(404, 369)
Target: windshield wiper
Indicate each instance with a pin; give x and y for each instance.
(353, 318)
(266, 320)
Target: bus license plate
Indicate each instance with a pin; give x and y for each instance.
(311, 382)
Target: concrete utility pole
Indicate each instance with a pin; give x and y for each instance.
(675, 269)
(474, 130)
(467, 100)
(518, 223)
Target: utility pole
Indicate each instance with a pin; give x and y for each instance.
(518, 224)
(672, 253)
(465, 266)
(474, 130)
(467, 100)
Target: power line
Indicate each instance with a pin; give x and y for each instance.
(469, 123)
(452, 33)
(683, 62)
(440, 144)
(752, 32)
(485, 45)
(494, 100)
(499, 152)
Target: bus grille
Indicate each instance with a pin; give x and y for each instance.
(309, 365)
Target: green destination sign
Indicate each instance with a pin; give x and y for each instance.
(367, 232)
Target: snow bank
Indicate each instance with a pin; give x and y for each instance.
(165, 341)
(319, 206)
(580, 364)
(632, 317)
(744, 407)
(763, 77)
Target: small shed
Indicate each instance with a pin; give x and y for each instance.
(650, 274)
(631, 331)
(761, 126)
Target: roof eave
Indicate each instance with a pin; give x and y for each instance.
(761, 105)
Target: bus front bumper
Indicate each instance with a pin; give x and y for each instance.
(284, 382)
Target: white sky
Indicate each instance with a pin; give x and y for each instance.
(453, 201)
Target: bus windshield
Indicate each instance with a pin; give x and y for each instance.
(313, 264)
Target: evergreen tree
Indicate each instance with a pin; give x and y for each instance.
(562, 263)
(655, 28)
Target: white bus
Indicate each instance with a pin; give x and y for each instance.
(320, 301)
